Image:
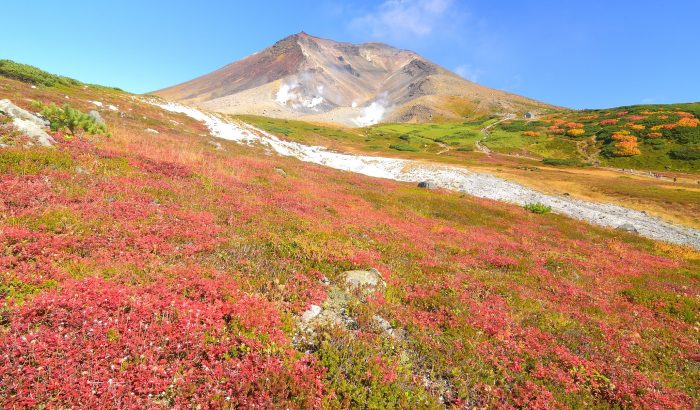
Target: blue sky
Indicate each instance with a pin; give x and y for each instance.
(579, 54)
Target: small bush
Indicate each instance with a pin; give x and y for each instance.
(403, 147)
(70, 120)
(686, 153)
(33, 75)
(538, 208)
(557, 162)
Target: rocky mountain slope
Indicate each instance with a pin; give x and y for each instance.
(306, 77)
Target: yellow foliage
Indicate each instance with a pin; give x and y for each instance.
(575, 132)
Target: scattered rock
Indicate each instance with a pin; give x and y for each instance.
(97, 103)
(27, 123)
(112, 107)
(217, 145)
(363, 278)
(96, 116)
(152, 131)
(383, 323)
(628, 228)
(281, 172)
(311, 313)
(427, 185)
(567, 194)
(388, 328)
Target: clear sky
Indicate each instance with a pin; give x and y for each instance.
(574, 53)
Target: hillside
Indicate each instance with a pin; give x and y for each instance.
(306, 77)
(161, 267)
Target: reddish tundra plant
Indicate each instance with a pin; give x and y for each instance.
(153, 270)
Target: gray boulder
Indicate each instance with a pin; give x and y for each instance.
(27, 123)
(427, 185)
(281, 172)
(628, 227)
(364, 278)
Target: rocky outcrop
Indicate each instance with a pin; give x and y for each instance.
(355, 286)
(27, 123)
(364, 279)
(628, 228)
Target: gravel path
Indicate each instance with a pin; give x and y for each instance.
(450, 177)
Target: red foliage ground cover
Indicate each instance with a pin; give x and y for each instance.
(158, 272)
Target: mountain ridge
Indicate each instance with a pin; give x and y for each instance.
(307, 77)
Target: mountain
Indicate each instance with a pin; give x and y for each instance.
(306, 77)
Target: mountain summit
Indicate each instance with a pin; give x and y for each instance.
(306, 77)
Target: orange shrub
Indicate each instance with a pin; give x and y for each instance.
(621, 113)
(531, 134)
(636, 117)
(573, 125)
(555, 130)
(627, 146)
(684, 114)
(623, 137)
(688, 122)
(637, 126)
(654, 135)
(611, 121)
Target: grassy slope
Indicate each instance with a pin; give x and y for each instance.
(166, 266)
(676, 201)
(656, 146)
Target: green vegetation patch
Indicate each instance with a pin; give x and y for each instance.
(33, 75)
(538, 208)
(403, 147)
(33, 161)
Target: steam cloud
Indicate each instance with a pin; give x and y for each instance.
(374, 112)
(294, 94)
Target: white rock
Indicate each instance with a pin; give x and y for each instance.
(311, 313)
(27, 123)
